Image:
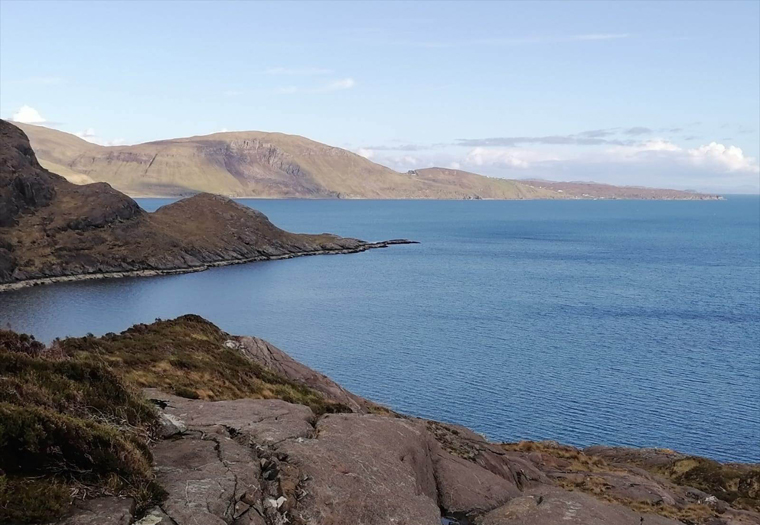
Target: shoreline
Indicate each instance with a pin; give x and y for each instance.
(572, 198)
(40, 281)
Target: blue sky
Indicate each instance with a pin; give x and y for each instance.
(658, 94)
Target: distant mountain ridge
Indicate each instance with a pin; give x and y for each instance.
(276, 165)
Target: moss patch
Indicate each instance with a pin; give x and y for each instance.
(187, 356)
(24, 500)
(739, 485)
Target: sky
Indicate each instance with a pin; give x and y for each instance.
(663, 94)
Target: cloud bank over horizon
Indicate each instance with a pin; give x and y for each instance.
(609, 156)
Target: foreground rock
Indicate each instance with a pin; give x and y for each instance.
(53, 230)
(550, 506)
(232, 451)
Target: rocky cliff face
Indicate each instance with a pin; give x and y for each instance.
(246, 435)
(53, 229)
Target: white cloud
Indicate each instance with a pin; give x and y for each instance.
(403, 162)
(658, 162)
(337, 85)
(657, 145)
(28, 115)
(504, 157)
(409, 160)
(514, 41)
(344, 83)
(366, 153)
(713, 156)
(730, 158)
(90, 136)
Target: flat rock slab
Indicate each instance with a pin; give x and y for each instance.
(267, 421)
(365, 469)
(209, 480)
(560, 507)
(465, 487)
(102, 511)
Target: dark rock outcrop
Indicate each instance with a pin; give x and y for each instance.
(53, 230)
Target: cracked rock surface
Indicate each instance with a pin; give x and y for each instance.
(261, 462)
(561, 507)
(270, 462)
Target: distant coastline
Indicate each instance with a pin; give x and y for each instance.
(263, 165)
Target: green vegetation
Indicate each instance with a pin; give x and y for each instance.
(73, 422)
(67, 426)
(739, 485)
(188, 357)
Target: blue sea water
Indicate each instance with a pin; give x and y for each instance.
(617, 322)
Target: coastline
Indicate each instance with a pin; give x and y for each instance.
(231, 429)
(27, 283)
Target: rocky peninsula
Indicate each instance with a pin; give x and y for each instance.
(180, 423)
(52, 230)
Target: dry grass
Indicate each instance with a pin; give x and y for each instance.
(72, 419)
(736, 484)
(187, 356)
(66, 424)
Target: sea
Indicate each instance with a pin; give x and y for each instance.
(632, 323)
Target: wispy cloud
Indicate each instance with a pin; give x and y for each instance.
(553, 140)
(513, 41)
(90, 136)
(594, 137)
(620, 155)
(344, 83)
(401, 147)
(298, 71)
(600, 36)
(637, 130)
(336, 85)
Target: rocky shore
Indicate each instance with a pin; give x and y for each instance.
(26, 283)
(203, 427)
(55, 231)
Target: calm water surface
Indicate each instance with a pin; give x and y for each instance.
(629, 323)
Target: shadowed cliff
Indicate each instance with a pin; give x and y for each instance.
(51, 228)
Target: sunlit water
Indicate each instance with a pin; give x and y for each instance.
(629, 323)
